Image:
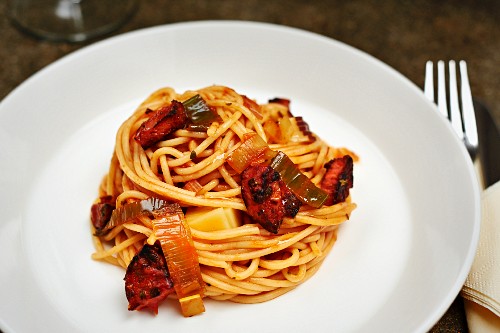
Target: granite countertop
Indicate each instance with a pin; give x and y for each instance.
(402, 33)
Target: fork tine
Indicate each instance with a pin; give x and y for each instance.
(442, 104)
(455, 116)
(429, 81)
(461, 116)
(471, 137)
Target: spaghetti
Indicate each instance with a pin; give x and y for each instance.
(246, 263)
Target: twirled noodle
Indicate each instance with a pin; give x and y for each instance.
(246, 264)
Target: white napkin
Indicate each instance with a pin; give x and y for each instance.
(483, 283)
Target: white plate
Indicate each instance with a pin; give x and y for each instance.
(398, 264)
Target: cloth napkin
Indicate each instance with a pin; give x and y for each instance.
(481, 290)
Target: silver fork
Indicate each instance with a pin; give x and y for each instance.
(462, 119)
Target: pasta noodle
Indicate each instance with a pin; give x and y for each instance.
(246, 264)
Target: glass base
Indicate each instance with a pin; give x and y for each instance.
(70, 20)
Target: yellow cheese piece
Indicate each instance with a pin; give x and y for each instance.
(212, 219)
(233, 217)
(192, 305)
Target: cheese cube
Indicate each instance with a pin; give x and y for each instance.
(212, 219)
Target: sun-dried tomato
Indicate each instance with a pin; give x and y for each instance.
(147, 281)
(267, 199)
(162, 122)
(338, 179)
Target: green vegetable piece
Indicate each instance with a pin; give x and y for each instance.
(200, 113)
(297, 182)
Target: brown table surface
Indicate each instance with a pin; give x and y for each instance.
(402, 33)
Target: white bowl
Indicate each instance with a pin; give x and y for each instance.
(398, 263)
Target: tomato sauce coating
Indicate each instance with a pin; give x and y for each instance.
(338, 179)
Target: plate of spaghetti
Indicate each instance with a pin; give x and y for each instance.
(185, 181)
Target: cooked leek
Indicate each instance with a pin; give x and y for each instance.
(170, 228)
(297, 182)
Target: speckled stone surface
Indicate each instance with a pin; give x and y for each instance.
(402, 33)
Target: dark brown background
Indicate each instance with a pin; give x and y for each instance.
(404, 34)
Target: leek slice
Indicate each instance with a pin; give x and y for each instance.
(170, 228)
(130, 211)
(297, 182)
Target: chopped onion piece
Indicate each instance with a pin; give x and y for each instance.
(286, 128)
(251, 150)
(273, 131)
(297, 182)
